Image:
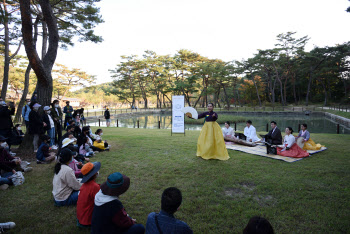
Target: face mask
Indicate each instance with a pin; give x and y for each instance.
(48, 112)
(90, 131)
(71, 160)
(28, 103)
(36, 108)
(101, 134)
(19, 128)
(56, 105)
(3, 145)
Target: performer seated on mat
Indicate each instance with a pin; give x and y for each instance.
(211, 144)
(290, 148)
(304, 141)
(274, 137)
(228, 132)
(250, 132)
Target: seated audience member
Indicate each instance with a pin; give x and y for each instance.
(65, 185)
(290, 148)
(77, 129)
(250, 132)
(98, 142)
(164, 221)
(69, 143)
(85, 149)
(7, 162)
(43, 155)
(304, 141)
(258, 225)
(109, 215)
(274, 137)
(88, 190)
(228, 132)
(76, 166)
(86, 133)
(16, 137)
(5, 178)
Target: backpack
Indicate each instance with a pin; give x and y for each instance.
(25, 109)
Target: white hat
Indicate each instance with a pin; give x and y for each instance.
(66, 142)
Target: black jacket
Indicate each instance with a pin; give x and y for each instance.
(35, 123)
(5, 117)
(16, 137)
(107, 114)
(47, 121)
(276, 137)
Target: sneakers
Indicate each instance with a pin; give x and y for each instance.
(7, 225)
(12, 154)
(4, 186)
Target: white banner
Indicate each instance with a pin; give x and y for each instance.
(178, 118)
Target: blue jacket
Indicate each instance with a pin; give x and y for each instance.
(43, 152)
(167, 223)
(25, 113)
(65, 110)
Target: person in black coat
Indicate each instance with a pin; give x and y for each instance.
(5, 119)
(36, 124)
(16, 137)
(107, 117)
(274, 137)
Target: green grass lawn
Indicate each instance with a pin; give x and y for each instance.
(308, 196)
(340, 113)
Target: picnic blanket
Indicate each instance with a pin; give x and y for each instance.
(260, 150)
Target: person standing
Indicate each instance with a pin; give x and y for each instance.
(211, 144)
(68, 110)
(56, 113)
(6, 124)
(50, 126)
(25, 113)
(36, 124)
(107, 117)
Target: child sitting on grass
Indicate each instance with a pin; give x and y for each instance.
(65, 185)
(88, 190)
(85, 149)
(98, 142)
(43, 155)
(69, 143)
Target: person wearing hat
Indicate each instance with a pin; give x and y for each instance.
(43, 155)
(5, 119)
(65, 186)
(88, 190)
(164, 221)
(109, 215)
(68, 110)
(36, 124)
(50, 126)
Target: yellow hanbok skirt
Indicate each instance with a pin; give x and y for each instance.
(311, 145)
(211, 144)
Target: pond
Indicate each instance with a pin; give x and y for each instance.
(316, 124)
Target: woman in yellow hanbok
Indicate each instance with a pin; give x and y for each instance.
(211, 144)
(304, 141)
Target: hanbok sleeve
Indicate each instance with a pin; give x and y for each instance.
(290, 140)
(201, 116)
(307, 135)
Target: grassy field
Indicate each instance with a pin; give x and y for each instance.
(340, 113)
(308, 196)
(223, 118)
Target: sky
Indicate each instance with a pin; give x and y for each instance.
(223, 29)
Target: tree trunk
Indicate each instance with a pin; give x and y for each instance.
(227, 99)
(42, 68)
(257, 91)
(7, 57)
(44, 45)
(25, 93)
(308, 89)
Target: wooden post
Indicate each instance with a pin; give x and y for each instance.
(159, 124)
(299, 128)
(99, 122)
(117, 123)
(267, 127)
(235, 126)
(337, 128)
(138, 124)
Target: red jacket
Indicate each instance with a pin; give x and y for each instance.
(85, 204)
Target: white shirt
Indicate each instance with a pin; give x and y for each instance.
(51, 121)
(289, 140)
(228, 132)
(250, 133)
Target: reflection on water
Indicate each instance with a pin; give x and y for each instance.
(316, 124)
